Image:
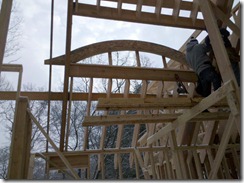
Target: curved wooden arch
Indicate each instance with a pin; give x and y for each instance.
(119, 45)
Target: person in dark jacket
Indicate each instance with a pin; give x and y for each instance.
(199, 61)
(233, 55)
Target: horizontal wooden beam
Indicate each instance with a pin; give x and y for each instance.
(84, 52)
(11, 95)
(131, 16)
(124, 150)
(121, 72)
(152, 103)
(12, 68)
(75, 160)
(165, 3)
(152, 118)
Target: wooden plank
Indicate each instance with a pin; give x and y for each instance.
(139, 8)
(66, 73)
(117, 72)
(140, 161)
(158, 8)
(166, 3)
(198, 164)
(88, 112)
(76, 161)
(33, 95)
(11, 68)
(31, 167)
(141, 149)
(20, 142)
(69, 118)
(222, 148)
(194, 11)
(176, 9)
(149, 119)
(152, 103)
(194, 111)
(119, 7)
(4, 22)
(121, 126)
(175, 154)
(130, 16)
(210, 133)
(137, 126)
(119, 45)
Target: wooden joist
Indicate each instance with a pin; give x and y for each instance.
(132, 16)
(149, 119)
(152, 103)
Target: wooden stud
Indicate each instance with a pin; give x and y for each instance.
(4, 22)
(194, 11)
(158, 8)
(147, 18)
(66, 73)
(31, 167)
(21, 142)
(176, 9)
(221, 150)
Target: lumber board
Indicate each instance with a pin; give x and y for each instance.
(125, 150)
(131, 16)
(151, 103)
(6, 6)
(12, 68)
(149, 119)
(84, 52)
(36, 95)
(20, 142)
(66, 75)
(222, 148)
(185, 5)
(76, 161)
(117, 72)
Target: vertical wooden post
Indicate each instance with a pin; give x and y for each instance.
(4, 22)
(21, 142)
(66, 73)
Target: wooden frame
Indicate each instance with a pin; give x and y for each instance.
(164, 150)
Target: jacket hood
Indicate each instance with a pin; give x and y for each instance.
(190, 45)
